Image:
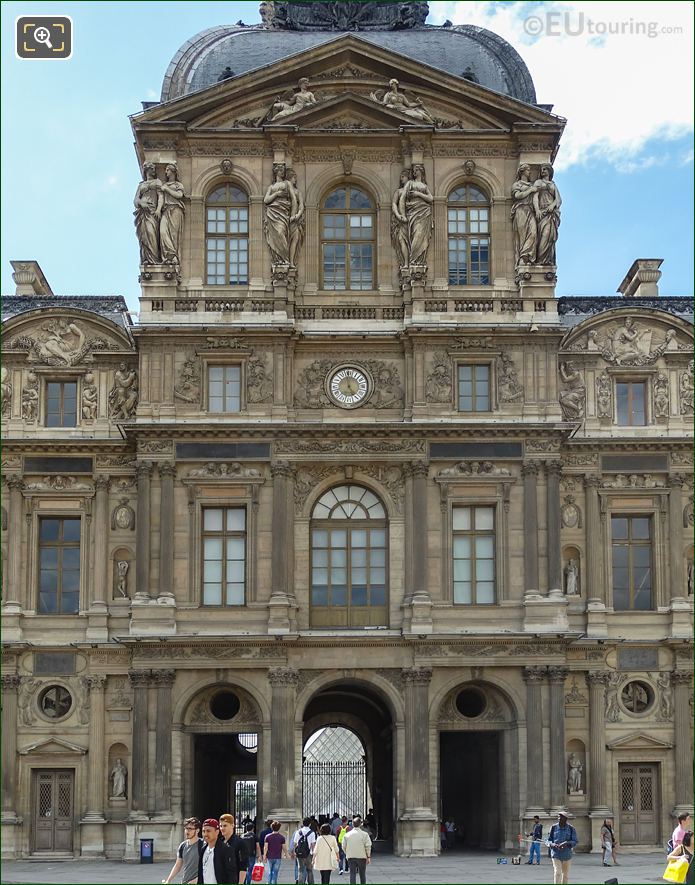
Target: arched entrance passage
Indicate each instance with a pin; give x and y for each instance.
(334, 774)
(360, 709)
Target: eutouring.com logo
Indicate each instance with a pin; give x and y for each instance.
(577, 24)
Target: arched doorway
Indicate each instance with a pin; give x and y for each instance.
(334, 774)
(361, 711)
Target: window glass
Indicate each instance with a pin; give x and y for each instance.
(474, 555)
(468, 225)
(224, 555)
(226, 243)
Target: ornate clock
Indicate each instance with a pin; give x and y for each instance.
(348, 386)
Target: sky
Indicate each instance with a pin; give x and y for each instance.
(622, 75)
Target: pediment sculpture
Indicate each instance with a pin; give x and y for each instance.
(292, 102)
(397, 101)
(61, 342)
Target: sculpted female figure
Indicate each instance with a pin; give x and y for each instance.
(280, 206)
(523, 217)
(415, 205)
(148, 210)
(546, 204)
(396, 100)
(297, 102)
(172, 216)
(297, 219)
(399, 223)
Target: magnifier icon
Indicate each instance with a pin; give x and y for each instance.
(43, 35)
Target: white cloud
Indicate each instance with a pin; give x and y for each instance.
(617, 90)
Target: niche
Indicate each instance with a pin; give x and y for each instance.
(122, 573)
(118, 775)
(571, 571)
(576, 768)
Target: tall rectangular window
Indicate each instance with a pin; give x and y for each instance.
(474, 555)
(59, 566)
(631, 397)
(632, 562)
(468, 220)
(224, 388)
(61, 403)
(224, 555)
(474, 388)
(227, 237)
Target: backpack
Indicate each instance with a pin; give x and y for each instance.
(301, 849)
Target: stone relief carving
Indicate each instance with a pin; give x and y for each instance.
(661, 396)
(392, 478)
(89, 398)
(633, 481)
(123, 516)
(310, 393)
(5, 392)
(665, 712)
(574, 695)
(690, 577)
(11, 461)
(213, 652)
(687, 390)
(234, 470)
(155, 446)
(121, 588)
(682, 459)
(188, 385)
(117, 461)
(148, 210)
(351, 447)
(396, 101)
(123, 398)
(573, 397)
(474, 468)
(688, 520)
(59, 484)
(224, 342)
(259, 382)
(336, 16)
(30, 397)
(387, 393)
(572, 578)
(575, 771)
(25, 699)
(483, 649)
(612, 710)
(509, 389)
(292, 102)
(119, 694)
(571, 514)
(604, 395)
(628, 344)
(118, 779)
(60, 342)
(438, 386)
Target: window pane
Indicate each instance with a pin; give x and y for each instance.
(462, 547)
(320, 538)
(640, 527)
(377, 537)
(236, 519)
(358, 538)
(484, 518)
(212, 548)
(359, 200)
(212, 594)
(336, 200)
(69, 603)
(462, 518)
(212, 520)
(235, 594)
(319, 558)
(619, 527)
(71, 558)
(49, 529)
(319, 595)
(483, 547)
(235, 548)
(462, 592)
(212, 571)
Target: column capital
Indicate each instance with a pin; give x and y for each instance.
(95, 682)
(101, 482)
(139, 678)
(529, 468)
(163, 677)
(534, 674)
(144, 469)
(554, 468)
(598, 677)
(418, 468)
(166, 468)
(592, 482)
(283, 676)
(676, 480)
(557, 674)
(281, 468)
(416, 676)
(681, 677)
(10, 683)
(14, 481)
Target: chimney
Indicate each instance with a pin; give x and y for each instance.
(30, 279)
(642, 280)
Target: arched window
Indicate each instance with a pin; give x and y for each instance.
(227, 236)
(348, 559)
(347, 239)
(468, 218)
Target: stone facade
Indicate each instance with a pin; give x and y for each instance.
(535, 685)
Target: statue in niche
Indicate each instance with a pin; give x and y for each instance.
(119, 780)
(604, 395)
(122, 568)
(523, 216)
(546, 204)
(415, 205)
(661, 396)
(30, 397)
(399, 223)
(572, 578)
(294, 102)
(297, 219)
(575, 770)
(5, 392)
(172, 216)
(573, 397)
(438, 384)
(148, 211)
(280, 205)
(398, 102)
(123, 516)
(89, 398)
(123, 397)
(687, 390)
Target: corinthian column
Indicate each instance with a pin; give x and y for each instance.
(14, 544)
(10, 685)
(167, 472)
(417, 756)
(683, 749)
(283, 532)
(675, 541)
(163, 679)
(142, 536)
(556, 677)
(283, 683)
(140, 680)
(553, 472)
(529, 471)
(534, 677)
(96, 756)
(597, 681)
(101, 542)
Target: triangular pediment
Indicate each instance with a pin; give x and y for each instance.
(639, 740)
(52, 746)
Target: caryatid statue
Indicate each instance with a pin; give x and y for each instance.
(546, 204)
(297, 219)
(173, 212)
(523, 215)
(281, 205)
(399, 223)
(415, 205)
(148, 211)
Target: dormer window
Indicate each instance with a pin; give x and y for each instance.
(348, 224)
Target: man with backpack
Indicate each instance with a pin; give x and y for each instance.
(561, 841)
(303, 842)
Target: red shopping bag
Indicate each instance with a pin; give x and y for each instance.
(257, 872)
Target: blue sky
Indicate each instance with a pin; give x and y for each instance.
(625, 167)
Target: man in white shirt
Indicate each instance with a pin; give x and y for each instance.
(210, 833)
(357, 846)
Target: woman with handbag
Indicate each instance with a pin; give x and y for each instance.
(326, 853)
(680, 862)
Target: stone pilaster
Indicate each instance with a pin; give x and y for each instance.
(93, 821)
(142, 536)
(283, 684)
(163, 680)
(556, 678)
(597, 682)
(10, 686)
(97, 629)
(12, 605)
(140, 680)
(420, 600)
(417, 820)
(682, 681)
(167, 472)
(281, 603)
(675, 537)
(529, 471)
(595, 591)
(534, 678)
(554, 520)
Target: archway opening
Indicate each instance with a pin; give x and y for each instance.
(347, 759)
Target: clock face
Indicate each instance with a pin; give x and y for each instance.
(348, 387)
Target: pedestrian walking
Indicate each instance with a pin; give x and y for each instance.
(188, 854)
(303, 842)
(273, 851)
(685, 823)
(266, 831)
(253, 849)
(220, 864)
(685, 849)
(450, 827)
(608, 843)
(326, 853)
(561, 841)
(235, 845)
(358, 849)
(336, 824)
(345, 826)
(536, 835)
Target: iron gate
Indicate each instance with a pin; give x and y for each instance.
(334, 786)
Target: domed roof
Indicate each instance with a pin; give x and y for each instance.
(465, 51)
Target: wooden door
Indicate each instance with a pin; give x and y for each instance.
(639, 804)
(53, 809)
